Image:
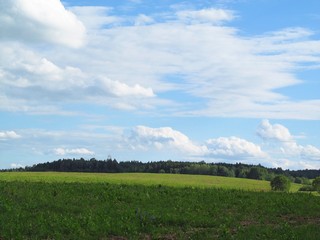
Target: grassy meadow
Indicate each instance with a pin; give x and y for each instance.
(151, 206)
(149, 179)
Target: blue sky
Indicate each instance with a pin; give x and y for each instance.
(219, 81)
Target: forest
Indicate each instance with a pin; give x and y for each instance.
(109, 165)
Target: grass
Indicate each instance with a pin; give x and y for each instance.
(150, 206)
(148, 179)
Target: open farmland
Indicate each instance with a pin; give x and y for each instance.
(150, 206)
(173, 180)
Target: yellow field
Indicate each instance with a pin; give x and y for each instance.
(176, 180)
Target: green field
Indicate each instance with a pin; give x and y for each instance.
(173, 180)
(151, 206)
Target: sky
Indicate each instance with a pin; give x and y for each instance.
(208, 80)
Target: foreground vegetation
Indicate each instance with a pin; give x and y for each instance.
(56, 210)
(150, 206)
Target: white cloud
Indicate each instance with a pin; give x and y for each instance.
(95, 17)
(16, 165)
(211, 15)
(121, 89)
(143, 19)
(35, 84)
(285, 152)
(287, 34)
(307, 152)
(37, 20)
(143, 137)
(286, 143)
(24, 68)
(47, 144)
(273, 132)
(76, 151)
(214, 64)
(306, 165)
(136, 67)
(9, 135)
(293, 164)
(310, 152)
(233, 147)
(167, 138)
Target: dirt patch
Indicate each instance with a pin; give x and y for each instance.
(117, 238)
(162, 237)
(246, 223)
(290, 219)
(300, 220)
(168, 237)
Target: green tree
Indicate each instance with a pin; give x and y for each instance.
(302, 180)
(316, 184)
(257, 173)
(280, 183)
(225, 172)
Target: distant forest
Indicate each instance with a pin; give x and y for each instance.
(238, 170)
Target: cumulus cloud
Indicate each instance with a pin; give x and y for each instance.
(162, 138)
(24, 68)
(35, 84)
(286, 152)
(286, 142)
(310, 152)
(233, 147)
(37, 20)
(294, 149)
(76, 151)
(143, 137)
(9, 135)
(273, 132)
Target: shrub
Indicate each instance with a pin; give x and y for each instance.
(307, 188)
(280, 183)
(302, 180)
(316, 184)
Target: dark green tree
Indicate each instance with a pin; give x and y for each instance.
(316, 184)
(280, 183)
(257, 173)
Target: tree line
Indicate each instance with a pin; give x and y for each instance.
(109, 165)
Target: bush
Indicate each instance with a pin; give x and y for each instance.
(307, 188)
(302, 180)
(316, 184)
(280, 183)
